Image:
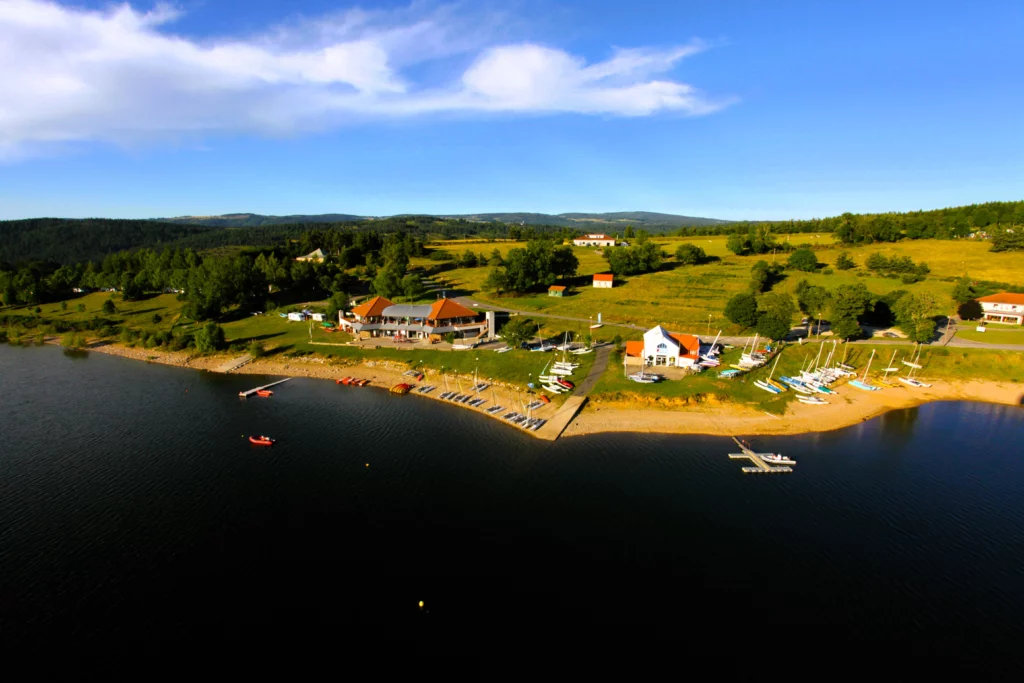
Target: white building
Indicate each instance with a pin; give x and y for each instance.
(1004, 307)
(661, 347)
(594, 240)
(604, 280)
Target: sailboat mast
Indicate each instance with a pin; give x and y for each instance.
(772, 373)
(865, 379)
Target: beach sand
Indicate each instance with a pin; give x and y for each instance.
(848, 407)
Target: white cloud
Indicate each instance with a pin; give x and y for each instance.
(123, 76)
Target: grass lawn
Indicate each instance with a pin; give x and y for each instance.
(993, 335)
(941, 363)
(683, 297)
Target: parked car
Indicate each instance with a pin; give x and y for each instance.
(891, 335)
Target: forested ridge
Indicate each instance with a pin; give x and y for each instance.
(74, 240)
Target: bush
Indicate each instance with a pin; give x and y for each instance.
(690, 254)
(106, 331)
(969, 310)
(742, 309)
(844, 262)
(108, 307)
(210, 338)
(80, 308)
(827, 271)
(803, 259)
(157, 318)
(257, 350)
(72, 340)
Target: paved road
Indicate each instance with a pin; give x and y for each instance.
(601, 355)
(948, 337)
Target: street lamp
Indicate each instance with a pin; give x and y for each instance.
(709, 325)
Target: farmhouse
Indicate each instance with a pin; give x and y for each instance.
(379, 317)
(1005, 307)
(603, 280)
(594, 240)
(317, 256)
(661, 347)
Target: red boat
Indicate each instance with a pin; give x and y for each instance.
(566, 383)
(361, 382)
(544, 398)
(345, 380)
(264, 393)
(261, 440)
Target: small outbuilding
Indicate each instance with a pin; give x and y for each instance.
(556, 290)
(603, 280)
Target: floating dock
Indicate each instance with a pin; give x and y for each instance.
(250, 392)
(761, 466)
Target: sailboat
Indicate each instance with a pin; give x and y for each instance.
(862, 383)
(910, 380)
(768, 384)
(914, 362)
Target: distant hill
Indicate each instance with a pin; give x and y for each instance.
(587, 221)
(255, 220)
(583, 221)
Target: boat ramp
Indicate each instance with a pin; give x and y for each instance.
(760, 465)
(250, 392)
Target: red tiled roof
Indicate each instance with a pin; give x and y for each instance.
(1003, 298)
(689, 343)
(556, 288)
(444, 309)
(595, 236)
(603, 277)
(372, 308)
(634, 348)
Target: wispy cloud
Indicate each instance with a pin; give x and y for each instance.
(123, 76)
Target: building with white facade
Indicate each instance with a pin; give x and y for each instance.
(604, 280)
(594, 240)
(1005, 307)
(661, 347)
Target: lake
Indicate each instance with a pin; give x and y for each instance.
(134, 509)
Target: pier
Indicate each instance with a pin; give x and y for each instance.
(250, 392)
(760, 466)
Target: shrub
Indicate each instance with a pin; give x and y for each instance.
(742, 309)
(803, 259)
(72, 340)
(690, 254)
(108, 307)
(969, 310)
(80, 308)
(256, 349)
(157, 318)
(844, 262)
(827, 271)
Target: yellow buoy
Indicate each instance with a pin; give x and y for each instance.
(367, 464)
(421, 604)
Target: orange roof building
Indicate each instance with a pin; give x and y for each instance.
(380, 317)
(604, 280)
(1005, 307)
(661, 347)
(372, 308)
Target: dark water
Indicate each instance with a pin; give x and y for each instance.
(133, 510)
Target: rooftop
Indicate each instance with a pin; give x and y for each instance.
(1003, 298)
(603, 277)
(556, 288)
(444, 309)
(372, 308)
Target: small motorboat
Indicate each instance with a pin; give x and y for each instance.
(344, 380)
(565, 383)
(361, 382)
(776, 458)
(265, 393)
(544, 398)
(261, 440)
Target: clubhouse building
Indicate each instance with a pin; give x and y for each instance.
(380, 317)
(1005, 307)
(595, 240)
(661, 347)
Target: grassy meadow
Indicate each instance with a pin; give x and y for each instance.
(707, 387)
(683, 297)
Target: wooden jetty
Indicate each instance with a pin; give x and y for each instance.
(235, 363)
(250, 392)
(761, 466)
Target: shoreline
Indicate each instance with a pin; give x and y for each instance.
(846, 409)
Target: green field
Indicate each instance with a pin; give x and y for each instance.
(684, 297)
(938, 364)
(993, 335)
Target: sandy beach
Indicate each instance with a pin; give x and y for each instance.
(848, 407)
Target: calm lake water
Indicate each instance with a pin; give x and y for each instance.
(132, 507)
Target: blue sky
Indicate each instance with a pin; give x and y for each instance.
(719, 109)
